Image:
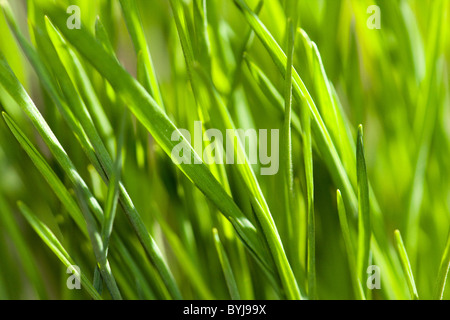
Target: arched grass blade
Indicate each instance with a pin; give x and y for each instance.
(98, 281)
(41, 164)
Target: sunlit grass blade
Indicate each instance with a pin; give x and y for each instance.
(270, 92)
(226, 267)
(103, 37)
(248, 39)
(406, 265)
(202, 42)
(81, 80)
(286, 145)
(328, 106)
(53, 243)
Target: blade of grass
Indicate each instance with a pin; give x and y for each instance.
(443, 272)
(357, 287)
(364, 228)
(49, 175)
(53, 243)
(226, 267)
(406, 265)
(286, 147)
(112, 194)
(133, 20)
(270, 92)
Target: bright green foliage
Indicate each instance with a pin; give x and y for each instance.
(87, 138)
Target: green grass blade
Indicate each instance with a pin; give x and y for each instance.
(286, 144)
(270, 92)
(112, 194)
(308, 164)
(102, 36)
(443, 272)
(406, 265)
(97, 282)
(106, 167)
(53, 243)
(135, 28)
(364, 228)
(356, 281)
(226, 267)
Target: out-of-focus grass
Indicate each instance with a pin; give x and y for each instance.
(85, 181)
